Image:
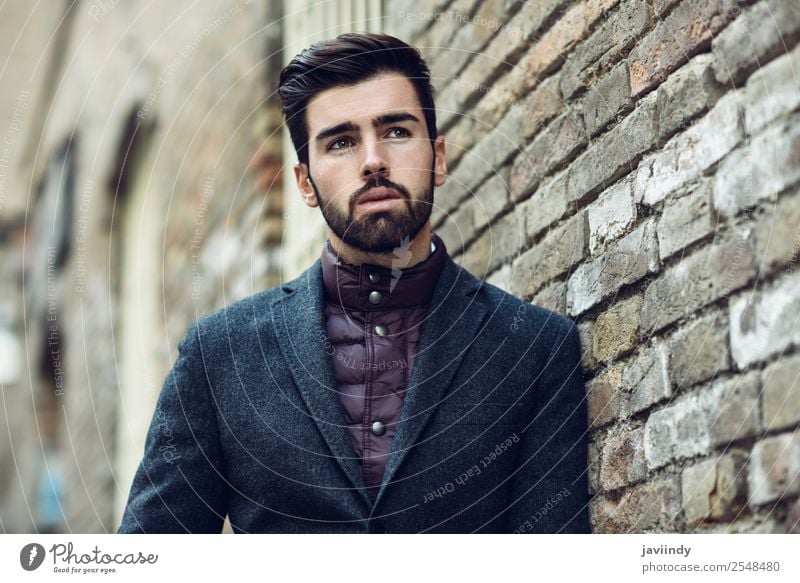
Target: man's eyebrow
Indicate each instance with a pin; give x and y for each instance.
(381, 120)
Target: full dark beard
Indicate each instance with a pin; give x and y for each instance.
(379, 231)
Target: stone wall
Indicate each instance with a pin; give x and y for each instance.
(635, 165)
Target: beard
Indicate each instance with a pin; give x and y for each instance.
(378, 231)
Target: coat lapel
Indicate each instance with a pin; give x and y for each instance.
(299, 323)
(451, 325)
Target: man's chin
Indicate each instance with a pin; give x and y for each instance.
(382, 246)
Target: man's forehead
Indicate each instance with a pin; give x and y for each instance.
(362, 102)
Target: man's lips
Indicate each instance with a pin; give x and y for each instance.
(382, 193)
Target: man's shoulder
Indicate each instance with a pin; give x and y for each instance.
(245, 313)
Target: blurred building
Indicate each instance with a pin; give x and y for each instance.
(631, 164)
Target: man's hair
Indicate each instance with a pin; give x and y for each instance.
(346, 60)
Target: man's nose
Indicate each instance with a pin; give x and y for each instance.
(374, 158)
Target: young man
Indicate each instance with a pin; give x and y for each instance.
(386, 389)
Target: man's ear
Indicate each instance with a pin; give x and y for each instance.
(304, 184)
(439, 161)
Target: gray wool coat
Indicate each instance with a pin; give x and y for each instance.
(492, 437)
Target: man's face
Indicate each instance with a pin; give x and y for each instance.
(367, 136)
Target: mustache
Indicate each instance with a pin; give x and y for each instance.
(378, 182)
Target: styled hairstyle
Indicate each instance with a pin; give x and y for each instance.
(346, 60)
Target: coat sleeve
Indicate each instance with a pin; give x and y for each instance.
(550, 492)
(179, 485)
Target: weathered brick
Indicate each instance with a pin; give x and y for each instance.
(764, 323)
(542, 105)
(624, 262)
(458, 228)
(547, 205)
(448, 110)
(507, 138)
(593, 469)
(604, 397)
(760, 33)
(551, 149)
(411, 23)
(606, 99)
(715, 489)
(662, 6)
(616, 330)
(774, 469)
(791, 524)
(457, 51)
(491, 199)
(647, 506)
(687, 155)
(767, 165)
(460, 138)
(500, 278)
(477, 259)
(623, 460)
(498, 102)
(685, 221)
(685, 32)
(603, 49)
(763, 524)
(611, 215)
(446, 198)
(772, 91)
(570, 29)
(435, 40)
(699, 351)
(508, 239)
(780, 401)
(692, 426)
(777, 237)
(491, 152)
(554, 255)
(588, 361)
(703, 277)
(485, 64)
(552, 297)
(614, 154)
(646, 380)
(688, 92)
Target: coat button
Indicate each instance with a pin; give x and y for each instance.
(375, 297)
(374, 277)
(381, 330)
(378, 428)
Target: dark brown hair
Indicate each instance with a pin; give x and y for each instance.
(348, 59)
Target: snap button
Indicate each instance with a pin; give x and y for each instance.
(374, 276)
(378, 428)
(381, 330)
(375, 297)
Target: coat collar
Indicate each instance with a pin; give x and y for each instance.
(454, 317)
(351, 285)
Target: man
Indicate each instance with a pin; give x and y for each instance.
(386, 389)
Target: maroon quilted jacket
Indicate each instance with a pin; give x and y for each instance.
(373, 318)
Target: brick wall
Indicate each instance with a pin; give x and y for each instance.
(635, 165)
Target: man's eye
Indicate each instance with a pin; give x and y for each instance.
(331, 147)
(404, 130)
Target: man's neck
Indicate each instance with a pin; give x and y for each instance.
(418, 249)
